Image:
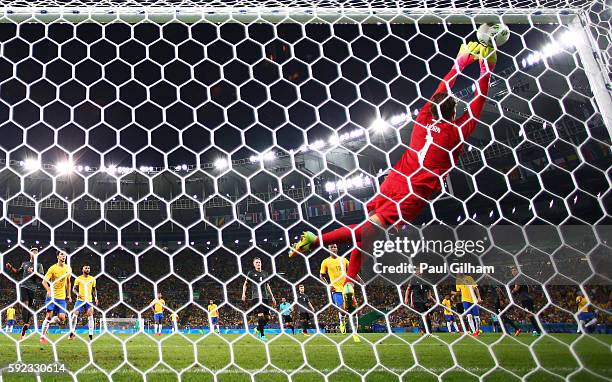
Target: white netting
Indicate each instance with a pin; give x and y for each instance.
(168, 145)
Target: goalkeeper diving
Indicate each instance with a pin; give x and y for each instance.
(435, 145)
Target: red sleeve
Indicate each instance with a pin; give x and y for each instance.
(471, 117)
(445, 85)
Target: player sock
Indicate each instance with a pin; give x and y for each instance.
(155, 328)
(73, 323)
(448, 326)
(535, 325)
(456, 327)
(477, 322)
(471, 323)
(592, 322)
(90, 325)
(261, 326)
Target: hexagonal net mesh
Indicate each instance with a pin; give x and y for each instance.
(169, 146)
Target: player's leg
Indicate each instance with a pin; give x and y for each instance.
(467, 307)
(476, 313)
(90, 322)
(27, 299)
(74, 320)
(528, 305)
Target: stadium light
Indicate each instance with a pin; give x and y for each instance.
(558, 45)
(64, 167)
(357, 181)
(399, 119)
(221, 163)
(31, 164)
(378, 125)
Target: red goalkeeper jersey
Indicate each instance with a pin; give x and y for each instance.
(435, 146)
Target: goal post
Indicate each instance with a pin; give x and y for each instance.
(171, 158)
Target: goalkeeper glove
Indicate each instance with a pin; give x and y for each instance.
(468, 53)
(488, 58)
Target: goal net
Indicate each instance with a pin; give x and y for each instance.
(169, 145)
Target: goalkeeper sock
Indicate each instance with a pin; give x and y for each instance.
(24, 329)
(90, 325)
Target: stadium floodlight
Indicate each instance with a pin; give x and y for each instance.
(221, 164)
(379, 125)
(64, 167)
(31, 164)
(399, 119)
(564, 42)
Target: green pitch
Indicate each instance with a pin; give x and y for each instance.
(407, 357)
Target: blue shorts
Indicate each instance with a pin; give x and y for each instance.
(337, 299)
(158, 317)
(214, 320)
(56, 306)
(449, 318)
(471, 308)
(82, 305)
(586, 316)
(10, 322)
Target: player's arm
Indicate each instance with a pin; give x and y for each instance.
(11, 268)
(271, 294)
(75, 288)
(468, 53)
(45, 282)
(244, 288)
(470, 118)
(68, 284)
(407, 295)
(477, 293)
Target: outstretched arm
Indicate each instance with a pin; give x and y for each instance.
(468, 53)
(468, 121)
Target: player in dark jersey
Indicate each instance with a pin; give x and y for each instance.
(500, 302)
(261, 300)
(418, 296)
(520, 291)
(28, 285)
(304, 308)
(435, 145)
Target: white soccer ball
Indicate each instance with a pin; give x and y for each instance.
(493, 34)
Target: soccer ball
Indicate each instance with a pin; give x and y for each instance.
(493, 34)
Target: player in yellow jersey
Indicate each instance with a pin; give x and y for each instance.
(174, 318)
(10, 319)
(87, 295)
(333, 273)
(449, 316)
(158, 305)
(586, 318)
(213, 313)
(57, 284)
(470, 296)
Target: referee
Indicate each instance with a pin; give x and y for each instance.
(28, 285)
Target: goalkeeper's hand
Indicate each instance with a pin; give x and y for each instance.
(468, 53)
(487, 58)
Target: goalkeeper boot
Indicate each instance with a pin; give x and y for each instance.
(348, 294)
(304, 246)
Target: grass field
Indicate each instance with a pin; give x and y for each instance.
(406, 357)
